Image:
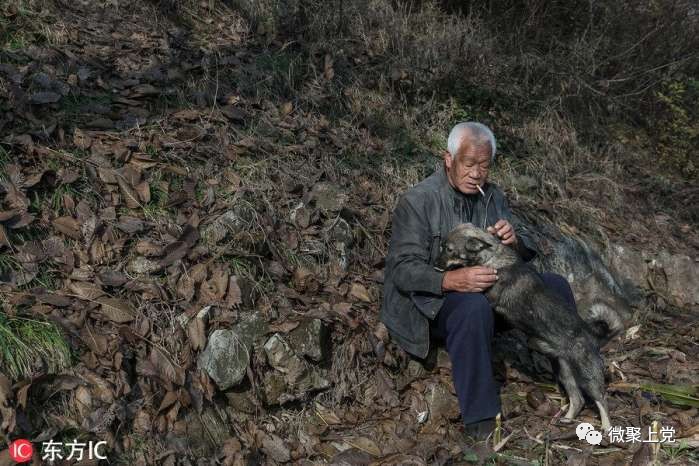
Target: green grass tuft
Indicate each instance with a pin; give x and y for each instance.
(28, 346)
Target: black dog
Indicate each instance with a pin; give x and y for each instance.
(521, 297)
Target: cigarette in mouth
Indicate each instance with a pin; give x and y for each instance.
(479, 188)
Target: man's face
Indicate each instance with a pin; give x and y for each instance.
(469, 167)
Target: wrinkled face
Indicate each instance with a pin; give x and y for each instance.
(469, 166)
(465, 246)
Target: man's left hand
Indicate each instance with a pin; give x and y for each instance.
(504, 230)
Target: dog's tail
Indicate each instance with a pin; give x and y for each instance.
(605, 322)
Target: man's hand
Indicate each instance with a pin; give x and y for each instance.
(469, 279)
(504, 230)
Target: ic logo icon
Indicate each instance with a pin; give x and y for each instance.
(21, 450)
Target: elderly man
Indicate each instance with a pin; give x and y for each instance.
(419, 300)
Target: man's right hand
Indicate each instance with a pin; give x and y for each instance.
(469, 279)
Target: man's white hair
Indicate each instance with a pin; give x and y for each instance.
(473, 131)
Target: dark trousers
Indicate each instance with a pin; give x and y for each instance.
(466, 324)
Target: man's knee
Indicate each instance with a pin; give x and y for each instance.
(469, 309)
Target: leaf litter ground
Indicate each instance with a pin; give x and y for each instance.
(148, 204)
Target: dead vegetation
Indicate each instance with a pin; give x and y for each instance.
(172, 170)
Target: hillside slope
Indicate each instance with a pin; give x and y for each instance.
(180, 173)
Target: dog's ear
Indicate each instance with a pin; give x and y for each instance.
(476, 245)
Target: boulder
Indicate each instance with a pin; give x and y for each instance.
(681, 277)
(630, 267)
(597, 291)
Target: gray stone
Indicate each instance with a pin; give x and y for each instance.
(282, 358)
(275, 448)
(139, 265)
(441, 402)
(251, 327)
(207, 431)
(413, 372)
(225, 358)
(45, 97)
(293, 378)
(310, 339)
(328, 197)
(241, 402)
(682, 275)
(340, 239)
(525, 183)
(227, 222)
(629, 266)
(275, 388)
(595, 287)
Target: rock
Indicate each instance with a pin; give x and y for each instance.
(340, 234)
(310, 339)
(275, 448)
(141, 265)
(225, 358)
(45, 97)
(293, 377)
(241, 402)
(314, 379)
(300, 215)
(524, 183)
(413, 372)
(282, 358)
(251, 327)
(443, 359)
(441, 402)
(630, 268)
(275, 388)
(597, 291)
(207, 431)
(682, 274)
(235, 114)
(228, 222)
(328, 198)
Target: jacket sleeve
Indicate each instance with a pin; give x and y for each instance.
(409, 251)
(525, 243)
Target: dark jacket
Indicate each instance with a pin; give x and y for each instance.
(423, 216)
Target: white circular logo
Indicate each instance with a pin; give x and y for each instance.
(593, 437)
(582, 429)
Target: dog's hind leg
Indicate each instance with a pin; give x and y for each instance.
(604, 414)
(575, 397)
(592, 383)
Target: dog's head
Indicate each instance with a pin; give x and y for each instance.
(466, 246)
